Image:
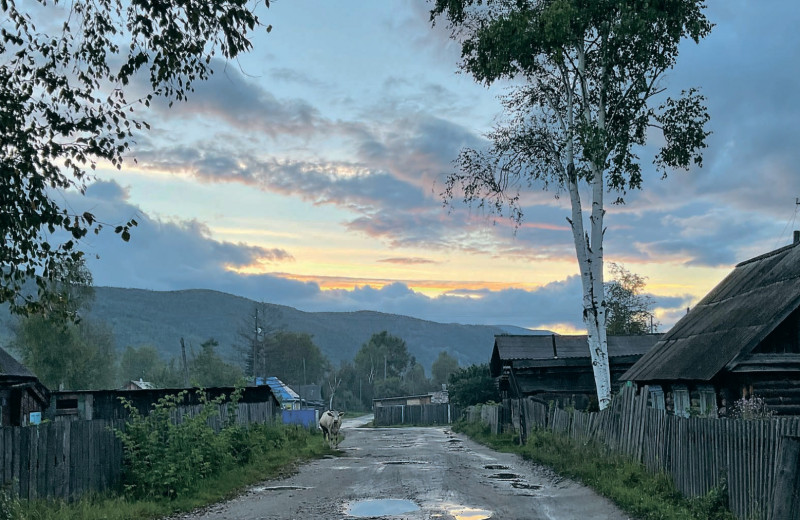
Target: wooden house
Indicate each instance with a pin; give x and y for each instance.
(741, 340)
(23, 398)
(559, 368)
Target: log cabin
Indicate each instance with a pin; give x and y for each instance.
(558, 368)
(741, 340)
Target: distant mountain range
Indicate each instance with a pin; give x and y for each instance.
(161, 318)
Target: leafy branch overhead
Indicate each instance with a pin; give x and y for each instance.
(71, 88)
(590, 72)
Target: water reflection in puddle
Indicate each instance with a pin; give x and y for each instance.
(382, 507)
(462, 513)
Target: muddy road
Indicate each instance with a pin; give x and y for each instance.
(415, 473)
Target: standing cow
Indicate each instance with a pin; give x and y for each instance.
(329, 423)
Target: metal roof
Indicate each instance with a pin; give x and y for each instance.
(10, 368)
(729, 322)
(531, 349)
(279, 389)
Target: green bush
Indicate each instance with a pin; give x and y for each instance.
(167, 455)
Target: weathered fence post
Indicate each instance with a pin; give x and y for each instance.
(786, 494)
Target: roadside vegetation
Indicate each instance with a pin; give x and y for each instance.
(175, 467)
(629, 485)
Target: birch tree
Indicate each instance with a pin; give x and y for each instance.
(588, 92)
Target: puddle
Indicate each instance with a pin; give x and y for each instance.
(495, 467)
(278, 488)
(462, 513)
(524, 485)
(454, 440)
(382, 507)
(403, 462)
(505, 476)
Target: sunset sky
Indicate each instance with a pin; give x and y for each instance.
(309, 172)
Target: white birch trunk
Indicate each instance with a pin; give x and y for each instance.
(589, 252)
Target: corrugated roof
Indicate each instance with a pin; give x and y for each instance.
(279, 388)
(11, 368)
(729, 322)
(532, 348)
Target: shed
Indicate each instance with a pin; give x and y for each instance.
(741, 340)
(23, 398)
(559, 367)
(288, 398)
(106, 404)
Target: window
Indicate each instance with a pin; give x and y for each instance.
(682, 402)
(62, 404)
(708, 401)
(657, 397)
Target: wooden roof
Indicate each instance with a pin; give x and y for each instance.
(729, 322)
(530, 350)
(11, 369)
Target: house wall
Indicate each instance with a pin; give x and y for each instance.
(566, 386)
(16, 405)
(780, 391)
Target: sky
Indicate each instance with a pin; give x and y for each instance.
(308, 173)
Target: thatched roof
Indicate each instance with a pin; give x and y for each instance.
(10, 368)
(729, 322)
(528, 350)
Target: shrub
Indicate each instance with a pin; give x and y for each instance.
(167, 455)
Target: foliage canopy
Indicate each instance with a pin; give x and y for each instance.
(70, 88)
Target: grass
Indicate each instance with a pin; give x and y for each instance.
(629, 485)
(303, 445)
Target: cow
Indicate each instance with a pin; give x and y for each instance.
(329, 423)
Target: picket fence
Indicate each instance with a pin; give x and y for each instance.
(697, 452)
(67, 460)
(418, 415)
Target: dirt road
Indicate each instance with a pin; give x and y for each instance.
(416, 473)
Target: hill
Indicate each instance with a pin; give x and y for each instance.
(160, 318)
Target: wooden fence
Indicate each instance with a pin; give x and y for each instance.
(69, 459)
(419, 415)
(697, 452)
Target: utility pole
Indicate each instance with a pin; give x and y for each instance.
(255, 348)
(185, 365)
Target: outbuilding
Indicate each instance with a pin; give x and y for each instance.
(23, 398)
(558, 367)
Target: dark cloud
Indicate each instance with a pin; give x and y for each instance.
(229, 96)
(161, 254)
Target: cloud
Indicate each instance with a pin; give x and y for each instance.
(229, 96)
(161, 254)
(407, 261)
(178, 254)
